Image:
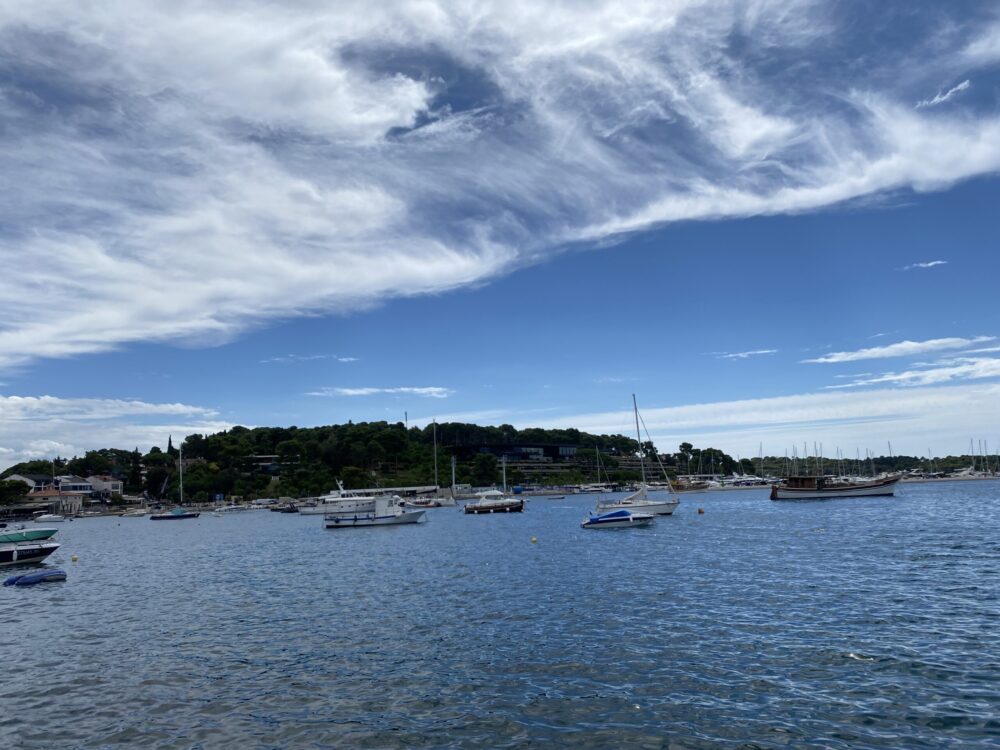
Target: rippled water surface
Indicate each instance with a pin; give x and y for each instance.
(856, 623)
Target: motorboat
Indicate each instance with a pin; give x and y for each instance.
(341, 502)
(386, 511)
(19, 533)
(617, 519)
(177, 514)
(812, 488)
(42, 517)
(135, 513)
(494, 501)
(26, 552)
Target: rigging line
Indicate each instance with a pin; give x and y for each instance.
(670, 487)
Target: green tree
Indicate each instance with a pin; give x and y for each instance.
(484, 470)
(12, 491)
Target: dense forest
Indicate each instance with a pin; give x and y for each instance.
(293, 461)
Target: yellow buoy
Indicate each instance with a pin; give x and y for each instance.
(534, 540)
(73, 558)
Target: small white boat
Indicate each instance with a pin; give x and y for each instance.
(135, 513)
(387, 511)
(48, 518)
(494, 501)
(617, 519)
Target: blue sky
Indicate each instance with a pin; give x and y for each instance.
(774, 222)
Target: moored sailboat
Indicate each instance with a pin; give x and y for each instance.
(640, 500)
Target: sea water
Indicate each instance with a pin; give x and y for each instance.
(854, 623)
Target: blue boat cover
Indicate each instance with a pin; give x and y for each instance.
(40, 576)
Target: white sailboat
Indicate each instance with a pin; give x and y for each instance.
(640, 500)
(438, 500)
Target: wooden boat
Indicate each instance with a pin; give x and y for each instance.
(812, 488)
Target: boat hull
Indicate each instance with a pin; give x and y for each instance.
(26, 554)
(665, 508)
(395, 519)
(871, 489)
(618, 520)
(507, 506)
(173, 516)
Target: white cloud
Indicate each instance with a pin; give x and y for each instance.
(422, 391)
(901, 349)
(913, 418)
(960, 368)
(929, 264)
(47, 426)
(746, 355)
(347, 359)
(184, 173)
(940, 98)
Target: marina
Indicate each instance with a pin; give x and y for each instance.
(860, 622)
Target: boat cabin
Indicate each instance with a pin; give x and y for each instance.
(805, 483)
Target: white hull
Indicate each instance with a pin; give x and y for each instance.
(49, 519)
(340, 522)
(664, 508)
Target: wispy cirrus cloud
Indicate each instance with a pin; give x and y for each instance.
(421, 391)
(901, 349)
(928, 264)
(244, 166)
(744, 355)
(292, 358)
(944, 371)
(941, 98)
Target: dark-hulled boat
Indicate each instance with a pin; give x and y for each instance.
(26, 553)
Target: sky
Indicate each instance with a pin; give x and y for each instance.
(774, 222)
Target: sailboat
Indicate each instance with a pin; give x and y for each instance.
(640, 500)
(438, 501)
(178, 513)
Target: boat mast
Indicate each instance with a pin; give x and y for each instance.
(180, 458)
(504, 462)
(642, 463)
(436, 456)
(453, 476)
